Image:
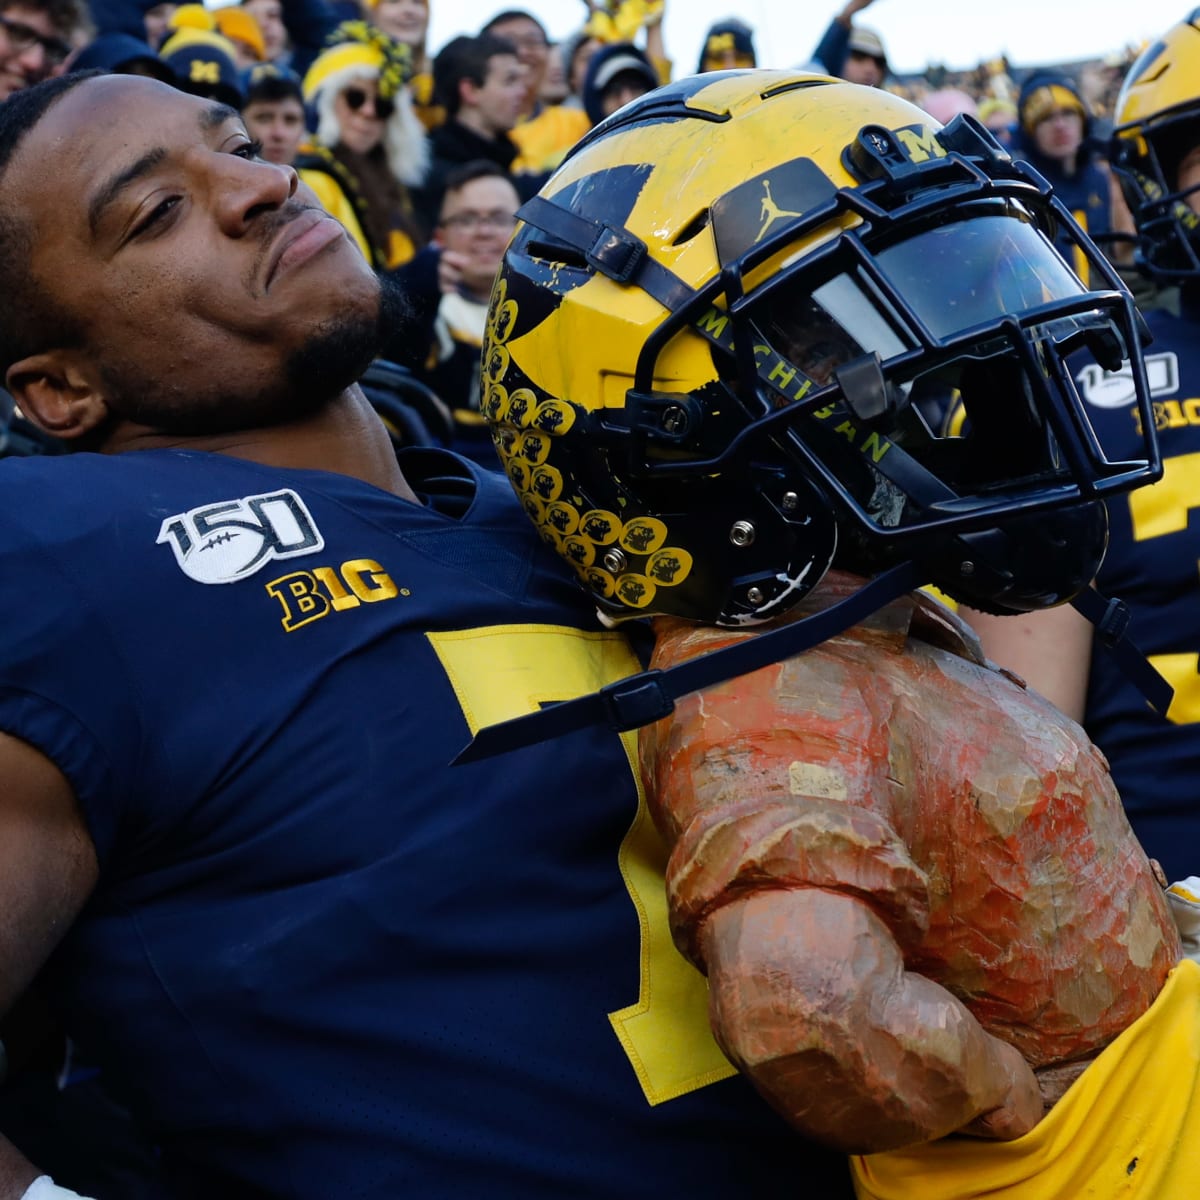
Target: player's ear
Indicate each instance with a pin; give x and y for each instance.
(56, 394)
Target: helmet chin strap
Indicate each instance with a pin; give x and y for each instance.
(649, 696)
(1111, 621)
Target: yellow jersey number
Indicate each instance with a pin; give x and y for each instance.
(1156, 511)
(504, 671)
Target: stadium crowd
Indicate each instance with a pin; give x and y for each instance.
(377, 120)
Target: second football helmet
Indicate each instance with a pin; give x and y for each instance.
(1156, 122)
(721, 337)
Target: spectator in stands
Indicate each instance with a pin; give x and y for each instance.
(616, 75)
(407, 22)
(274, 112)
(624, 21)
(576, 52)
(944, 104)
(1000, 116)
(448, 286)
(404, 21)
(851, 51)
(866, 59)
(156, 22)
(35, 38)
(1153, 537)
(480, 84)
(203, 65)
(1053, 133)
(295, 32)
(268, 15)
(370, 147)
(728, 45)
(546, 131)
(243, 31)
(555, 89)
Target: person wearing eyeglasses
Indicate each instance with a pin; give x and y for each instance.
(36, 37)
(448, 286)
(370, 148)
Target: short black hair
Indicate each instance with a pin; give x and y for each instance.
(464, 58)
(478, 168)
(27, 318)
(269, 87)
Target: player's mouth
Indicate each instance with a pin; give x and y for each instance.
(299, 241)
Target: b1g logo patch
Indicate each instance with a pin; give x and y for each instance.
(232, 539)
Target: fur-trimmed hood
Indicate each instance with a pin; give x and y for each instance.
(363, 53)
(404, 135)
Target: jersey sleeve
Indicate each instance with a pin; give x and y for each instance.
(64, 688)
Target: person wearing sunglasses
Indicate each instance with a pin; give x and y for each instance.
(369, 148)
(36, 36)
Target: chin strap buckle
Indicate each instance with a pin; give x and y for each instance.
(1111, 619)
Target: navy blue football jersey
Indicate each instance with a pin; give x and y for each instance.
(1153, 563)
(320, 960)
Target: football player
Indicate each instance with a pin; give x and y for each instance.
(1154, 542)
(909, 880)
(242, 644)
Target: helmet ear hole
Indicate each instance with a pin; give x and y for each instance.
(1034, 562)
(695, 226)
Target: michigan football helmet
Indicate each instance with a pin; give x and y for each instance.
(722, 335)
(1156, 122)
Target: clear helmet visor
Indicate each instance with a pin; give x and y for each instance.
(974, 316)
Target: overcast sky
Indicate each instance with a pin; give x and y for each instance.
(958, 33)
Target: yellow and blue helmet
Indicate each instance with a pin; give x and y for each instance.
(722, 336)
(1156, 122)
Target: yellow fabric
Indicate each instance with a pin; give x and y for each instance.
(191, 16)
(1041, 102)
(399, 250)
(335, 202)
(1129, 1127)
(625, 23)
(236, 23)
(543, 141)
(338, 59)
(190, 35)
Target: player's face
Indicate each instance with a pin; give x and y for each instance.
(210, 294)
